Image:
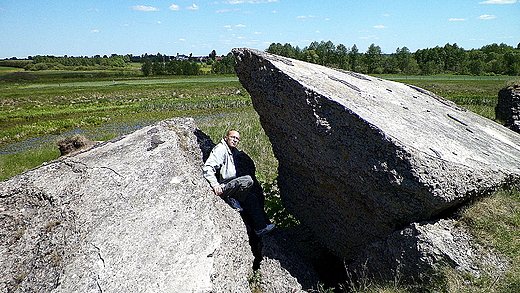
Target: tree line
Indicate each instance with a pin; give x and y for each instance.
(83, 62)
(494, 59)
(155, 64)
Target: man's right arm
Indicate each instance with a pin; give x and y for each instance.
(212, 164)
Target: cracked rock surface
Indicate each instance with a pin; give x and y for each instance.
(132, 214)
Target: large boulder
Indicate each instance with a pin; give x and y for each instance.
(416, 252)
(133, 214)
(508, 107)
(361, 157)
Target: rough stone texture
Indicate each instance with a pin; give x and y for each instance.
(508, 107)
(361, 157)
(133, 214)
(412, 253)
(286, 266)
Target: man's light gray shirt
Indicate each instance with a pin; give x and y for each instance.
(220, 158)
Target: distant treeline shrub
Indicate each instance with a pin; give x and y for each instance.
(491, 59)
(57, 63)
(224, 65)
(14, 63)
(18, 76)
(173, 67)
(219, 65)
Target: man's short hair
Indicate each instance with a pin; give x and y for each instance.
(229, 131)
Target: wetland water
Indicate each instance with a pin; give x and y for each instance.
(112, 129)
(105, 130)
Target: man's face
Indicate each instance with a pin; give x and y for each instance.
(232, 139)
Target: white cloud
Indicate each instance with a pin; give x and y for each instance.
(487, 17)
(182, 40)
(227, 26)
(174, 7)
(159, 22)
(386, 15)
(380, 26)
(370, 37)
(92, 9)
(306, 16)
(258, 33)
(233, 2)
(498, 2)
(144, 8)
(94, 31)
(457, 19)
(240, 25)
(193, 7)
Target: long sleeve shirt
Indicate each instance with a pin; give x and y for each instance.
(220, 165)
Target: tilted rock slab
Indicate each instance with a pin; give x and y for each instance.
(133, 214)
(361, 157)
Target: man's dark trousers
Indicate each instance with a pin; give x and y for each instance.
(238, 188)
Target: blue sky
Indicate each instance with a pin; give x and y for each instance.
(91, 27)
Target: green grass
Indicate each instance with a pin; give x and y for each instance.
(22, 161)
(34, 109)
(5, 70)
(478, 94)
(27, 112)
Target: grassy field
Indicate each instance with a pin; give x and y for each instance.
(478, 94)
(105, 104)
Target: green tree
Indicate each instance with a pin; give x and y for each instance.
(226, 65)
(173, 67)
(310, 56)
(158, 68)
(430, 60)
(116, 61)
(476, 64)
(512, 63)
(212, 55)
(373, 59)
(286, 50)
(454, 58)
(146, 68)
(275, 48)
(404, 58)
(342, 57)
(354, 59)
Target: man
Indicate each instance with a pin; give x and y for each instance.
(220, 169)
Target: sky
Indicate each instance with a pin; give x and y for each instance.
(101, 27)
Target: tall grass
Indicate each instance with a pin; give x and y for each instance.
(15, 163)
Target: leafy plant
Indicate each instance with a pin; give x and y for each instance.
(274, 207)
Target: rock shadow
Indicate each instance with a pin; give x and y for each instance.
(244, 166)
(295, 248)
